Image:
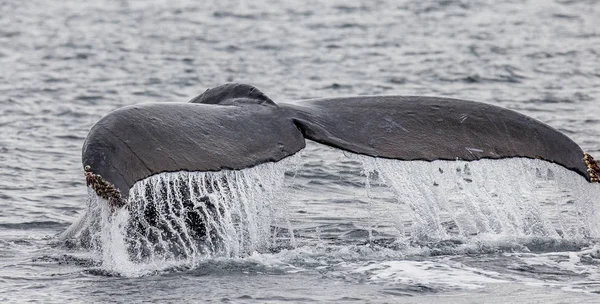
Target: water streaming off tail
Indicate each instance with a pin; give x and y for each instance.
(189, 216)
(186, 216)
(512, 198)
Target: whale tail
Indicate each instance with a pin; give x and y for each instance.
(431, 128)
(236, 126)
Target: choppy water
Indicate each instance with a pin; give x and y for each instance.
(363, 230)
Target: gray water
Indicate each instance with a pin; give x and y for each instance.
(341, 227)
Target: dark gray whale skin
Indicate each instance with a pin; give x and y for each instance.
(431, 128)
(235, 126)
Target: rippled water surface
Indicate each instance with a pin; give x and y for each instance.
(346, 228)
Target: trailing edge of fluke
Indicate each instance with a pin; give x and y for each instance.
(236, 126)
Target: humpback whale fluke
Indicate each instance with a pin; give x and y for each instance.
(236, 126)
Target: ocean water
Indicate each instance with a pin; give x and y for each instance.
(323, 225)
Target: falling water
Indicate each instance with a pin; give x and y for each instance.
(187, 216)
(513, 198)
(190, 216)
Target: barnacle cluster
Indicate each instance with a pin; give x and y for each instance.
(592, 168)
(104, 189)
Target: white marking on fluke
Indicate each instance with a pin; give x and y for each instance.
(474, 150)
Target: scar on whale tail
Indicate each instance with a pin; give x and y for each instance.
(236, 126)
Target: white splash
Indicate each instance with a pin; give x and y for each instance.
(514, 197)
(183, 217)
(433, 274)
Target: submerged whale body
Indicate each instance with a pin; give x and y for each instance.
(236, 126)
